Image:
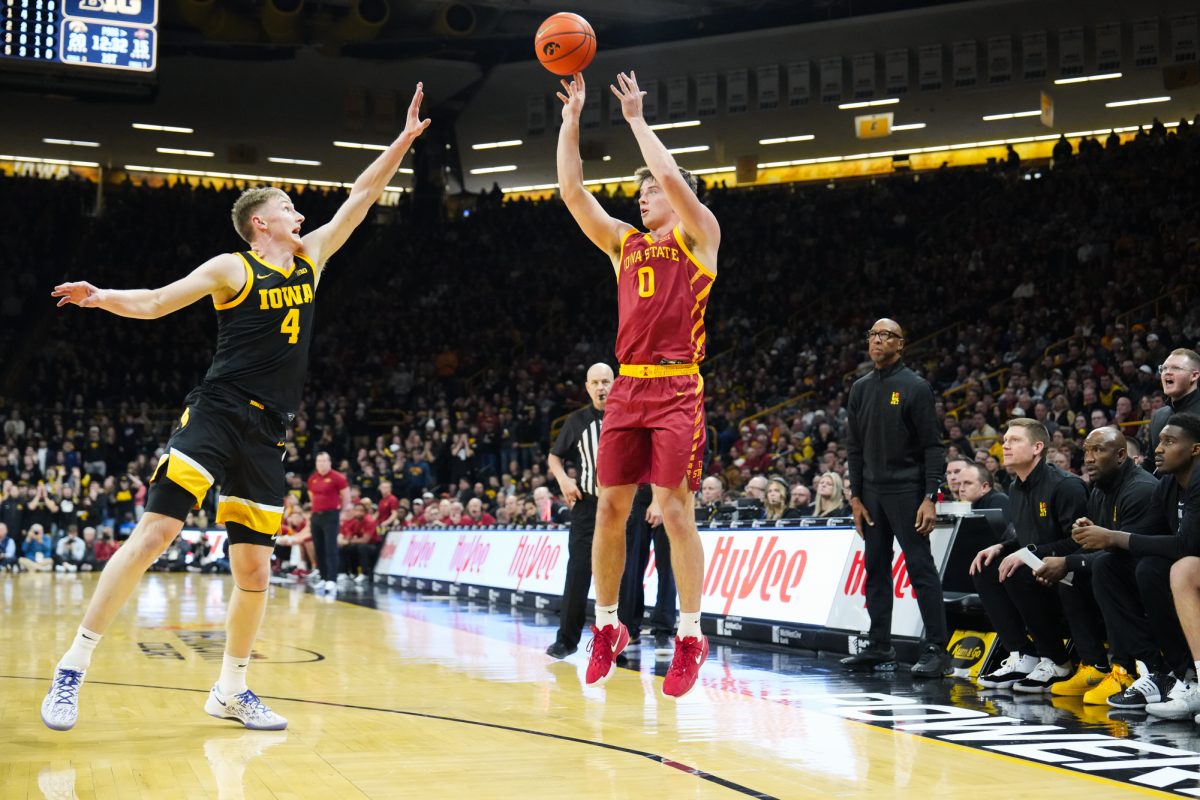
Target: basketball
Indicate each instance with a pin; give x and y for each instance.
(565, 43)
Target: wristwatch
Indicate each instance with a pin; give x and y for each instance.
(932, 497)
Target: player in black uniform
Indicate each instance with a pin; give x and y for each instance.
(234, 425)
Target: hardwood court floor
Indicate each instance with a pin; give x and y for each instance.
(421, 697)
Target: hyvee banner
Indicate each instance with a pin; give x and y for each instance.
(806, 576)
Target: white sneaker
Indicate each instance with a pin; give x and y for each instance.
(360, 577)
(246, 708)
(330, 587)
(60, 709)
(1014, 668)
(1182, 701)
(1044, 675)
(314, 577)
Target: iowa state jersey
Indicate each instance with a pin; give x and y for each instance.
(662, 292)
(263, 334)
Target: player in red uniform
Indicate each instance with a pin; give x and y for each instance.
(653, 428)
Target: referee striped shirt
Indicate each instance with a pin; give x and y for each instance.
(578, 441)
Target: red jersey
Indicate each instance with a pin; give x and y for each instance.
(326, 490)
(662, 292)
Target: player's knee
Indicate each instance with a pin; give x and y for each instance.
(154, 536)
(1185, 574)
(252, 577)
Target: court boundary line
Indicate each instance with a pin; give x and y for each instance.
(663, 760)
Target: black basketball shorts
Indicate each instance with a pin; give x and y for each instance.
(235, 443)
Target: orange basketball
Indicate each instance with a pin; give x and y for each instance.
(565, 43)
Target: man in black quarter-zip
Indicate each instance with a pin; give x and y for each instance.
(896, 466)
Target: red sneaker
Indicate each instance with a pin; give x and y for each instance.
(690, 653)
(606, 644)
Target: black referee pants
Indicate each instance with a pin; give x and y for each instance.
(895, 517)
(573, 612)
(1134, 594)
(325, 533)
(632, 609)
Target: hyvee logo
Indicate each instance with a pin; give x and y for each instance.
(419, 552)
(733, 573)
(470, 554)
(534, 559)
(856, 579)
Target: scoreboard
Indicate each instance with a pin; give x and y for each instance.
(110, 34)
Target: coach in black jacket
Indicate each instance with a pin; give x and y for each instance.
(896, 465)
(1044, 502)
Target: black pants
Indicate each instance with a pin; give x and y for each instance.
(895, 518)
(353, 556)
(1021, 607)
(632, 609)
(325, 533)
(579, 571)
(1134, 594)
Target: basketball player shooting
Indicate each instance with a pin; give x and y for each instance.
(654, 429)
(233, 429)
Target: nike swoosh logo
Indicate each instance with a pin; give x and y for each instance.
(699, 659)
(261, 277)
(219, 700)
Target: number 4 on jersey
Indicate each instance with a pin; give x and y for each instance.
(291, 325)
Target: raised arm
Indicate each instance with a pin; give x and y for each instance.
(221, 277)
(604, 231)
(326, 240)
(695, 218)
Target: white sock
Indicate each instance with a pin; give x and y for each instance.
(233, 675)
(606, 616)
(1028, 663)
(689, 625)
(80, 655)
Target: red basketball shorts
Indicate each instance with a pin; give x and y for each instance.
(653, 432)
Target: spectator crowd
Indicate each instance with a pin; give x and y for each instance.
(445, 353)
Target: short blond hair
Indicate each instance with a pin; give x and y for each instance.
(248, 202)
(644, 174)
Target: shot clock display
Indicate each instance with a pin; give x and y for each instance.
(110, 34)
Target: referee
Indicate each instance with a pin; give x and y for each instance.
(896, 463)
(580, 434)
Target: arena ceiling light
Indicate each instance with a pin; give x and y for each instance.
(490, 170)
(238, 176)
(71, 142)
(1139, 102)
(301, 161)
(360, 146)
(494, 145)
(35, 160)
(1106, 76)
(887, 101)
(804, 137)
(712, 170)
(146, 126)
(911, 151)
(662, 126)
(912, 126)
(700, 148)
(1037, 112)
(175, 151)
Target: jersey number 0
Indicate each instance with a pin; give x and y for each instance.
(645, 282)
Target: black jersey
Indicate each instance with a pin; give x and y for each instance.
(263, 334)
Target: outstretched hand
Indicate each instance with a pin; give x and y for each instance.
(80, 293)
(414, 126)
(629, 94)
(573, 99)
